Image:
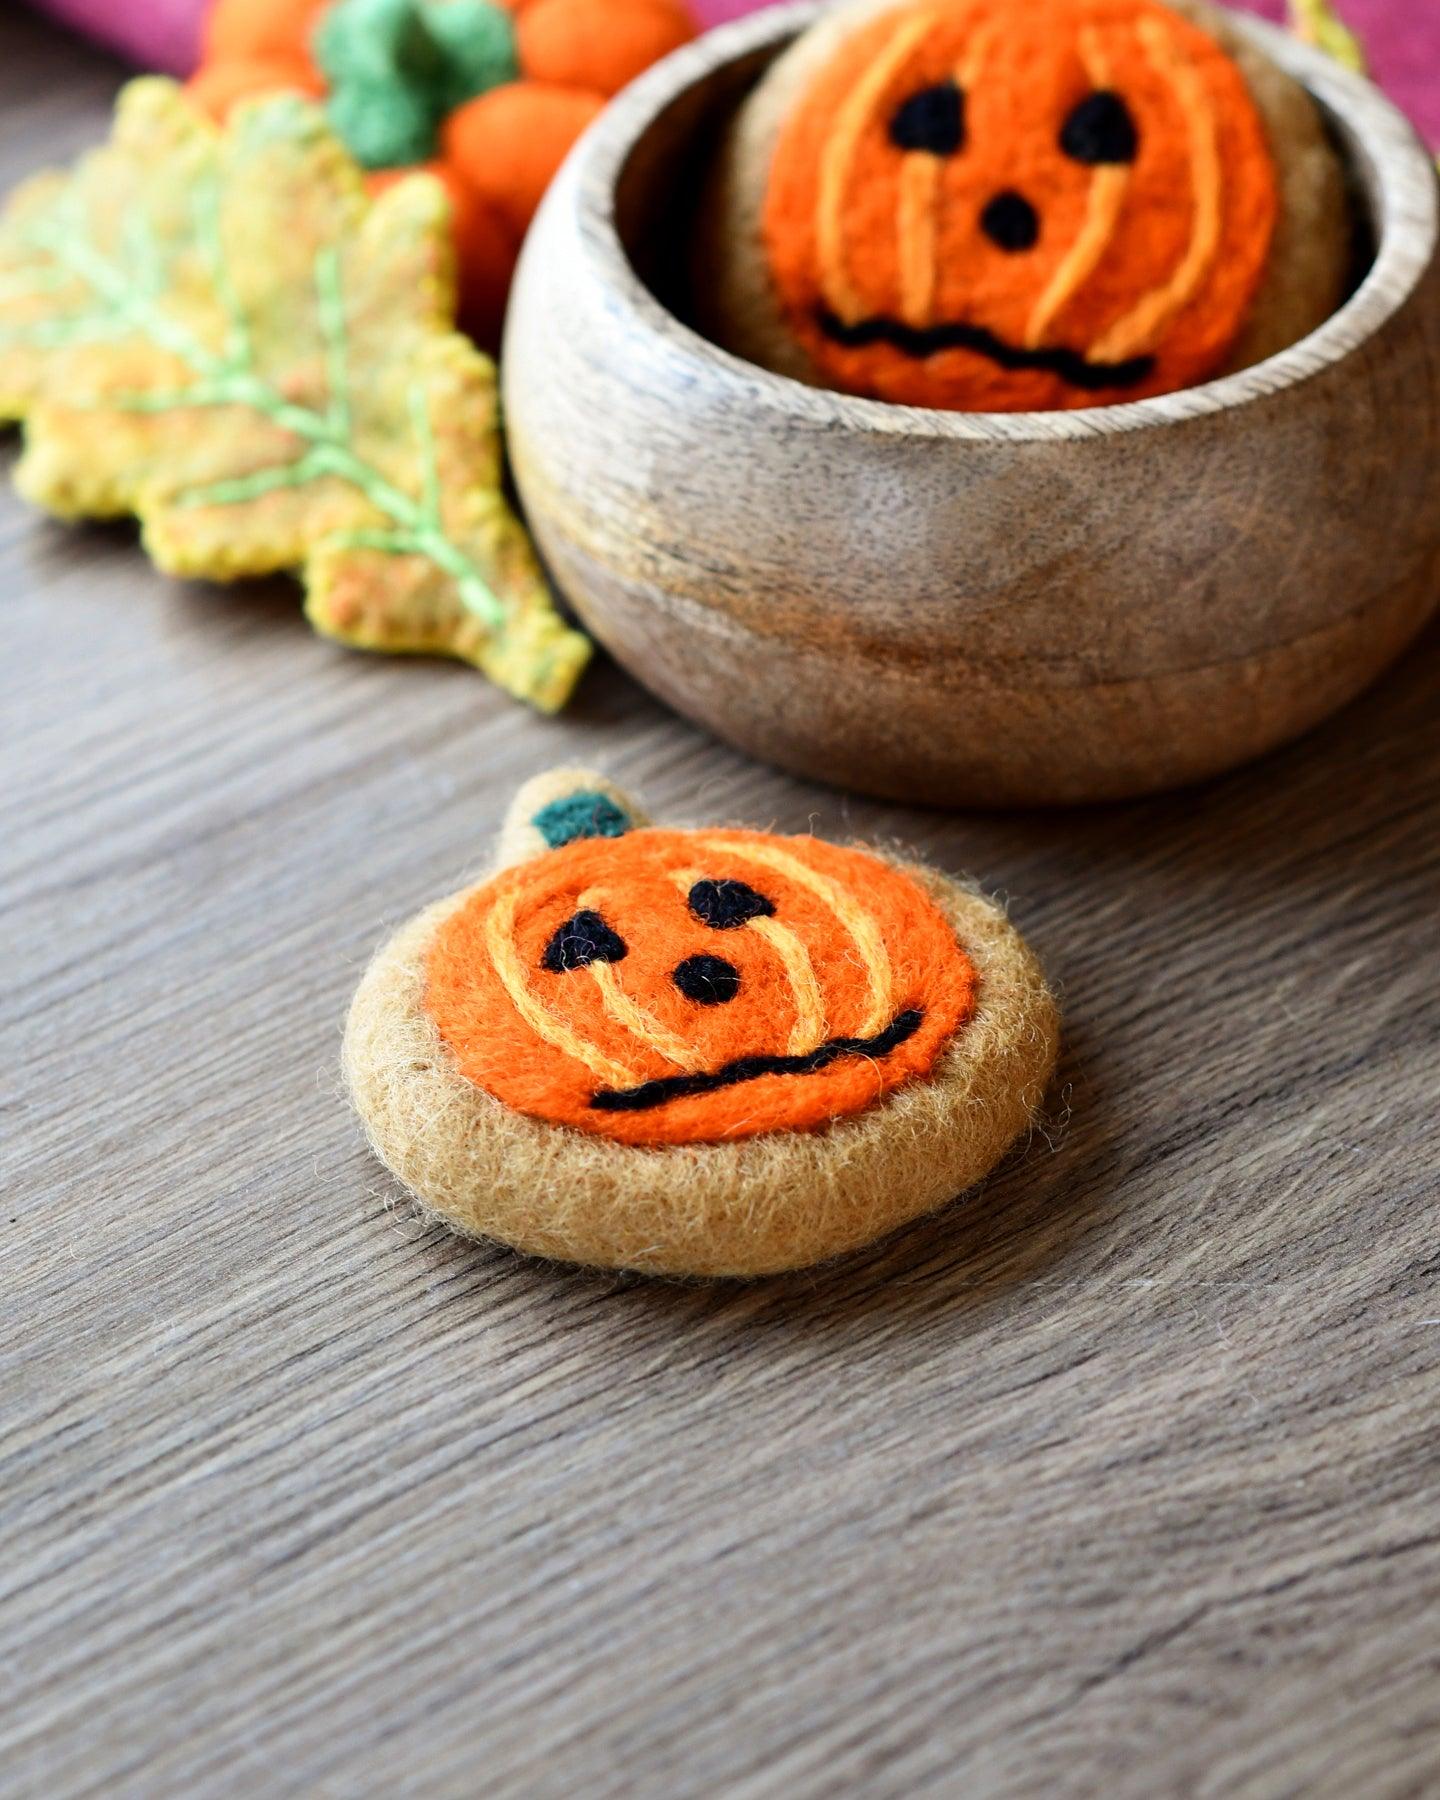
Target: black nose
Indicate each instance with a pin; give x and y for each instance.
(707, 980)
(1011, 221)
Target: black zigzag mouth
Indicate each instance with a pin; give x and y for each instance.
(922, 341)
(750, 1068)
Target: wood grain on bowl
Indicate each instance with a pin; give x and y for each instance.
(967, 608)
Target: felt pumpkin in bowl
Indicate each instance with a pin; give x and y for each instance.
(487, 94)
(1022, 205)
(695, 1051)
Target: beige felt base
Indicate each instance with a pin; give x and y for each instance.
(755, 1207)
(520, 839)
(736, 304)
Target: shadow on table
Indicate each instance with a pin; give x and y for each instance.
(1344, 824)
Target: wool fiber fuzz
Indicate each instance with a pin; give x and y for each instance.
(709, 1053)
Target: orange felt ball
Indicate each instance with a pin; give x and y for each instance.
(258, 30)
(509, 143)
(487, 249)
(576, 44)
(222, 85)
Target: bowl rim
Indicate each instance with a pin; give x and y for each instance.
(1396, 171)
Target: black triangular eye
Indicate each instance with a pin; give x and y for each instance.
(933, 120)
(727, 905)
(580, 941)
(1101, 129)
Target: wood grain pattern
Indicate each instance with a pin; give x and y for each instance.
(973, 608)
(1121, 1478)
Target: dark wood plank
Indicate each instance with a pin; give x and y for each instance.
(1121, 1477)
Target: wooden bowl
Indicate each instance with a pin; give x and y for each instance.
(972, 608)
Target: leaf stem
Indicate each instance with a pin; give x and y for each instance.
(330, 306)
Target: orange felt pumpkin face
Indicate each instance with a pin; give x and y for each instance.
(671, 987)
(993, 205)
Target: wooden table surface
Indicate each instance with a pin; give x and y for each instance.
(1120, 1478)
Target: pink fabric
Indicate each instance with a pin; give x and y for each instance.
(1402, 36)
(1402, 40)
(155, 34)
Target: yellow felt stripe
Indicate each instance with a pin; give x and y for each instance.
(1137, 330)
(857, 922)
(851, 122)
(1317, 22)
(919, 219)
(919, 193)
(629, 1013)
(973, 66)
(644, 1025)
(1108, 188)
(811, 1027)
(500, 942)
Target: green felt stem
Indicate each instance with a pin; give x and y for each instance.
(205, 216)
(396, 68)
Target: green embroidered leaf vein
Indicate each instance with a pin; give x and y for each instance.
(231, 339)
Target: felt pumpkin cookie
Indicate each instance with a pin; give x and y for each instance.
(697, 1052)
(1021, 205)
(487, 94)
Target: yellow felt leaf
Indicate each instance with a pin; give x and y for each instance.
(221, 333)
(1317, 22)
